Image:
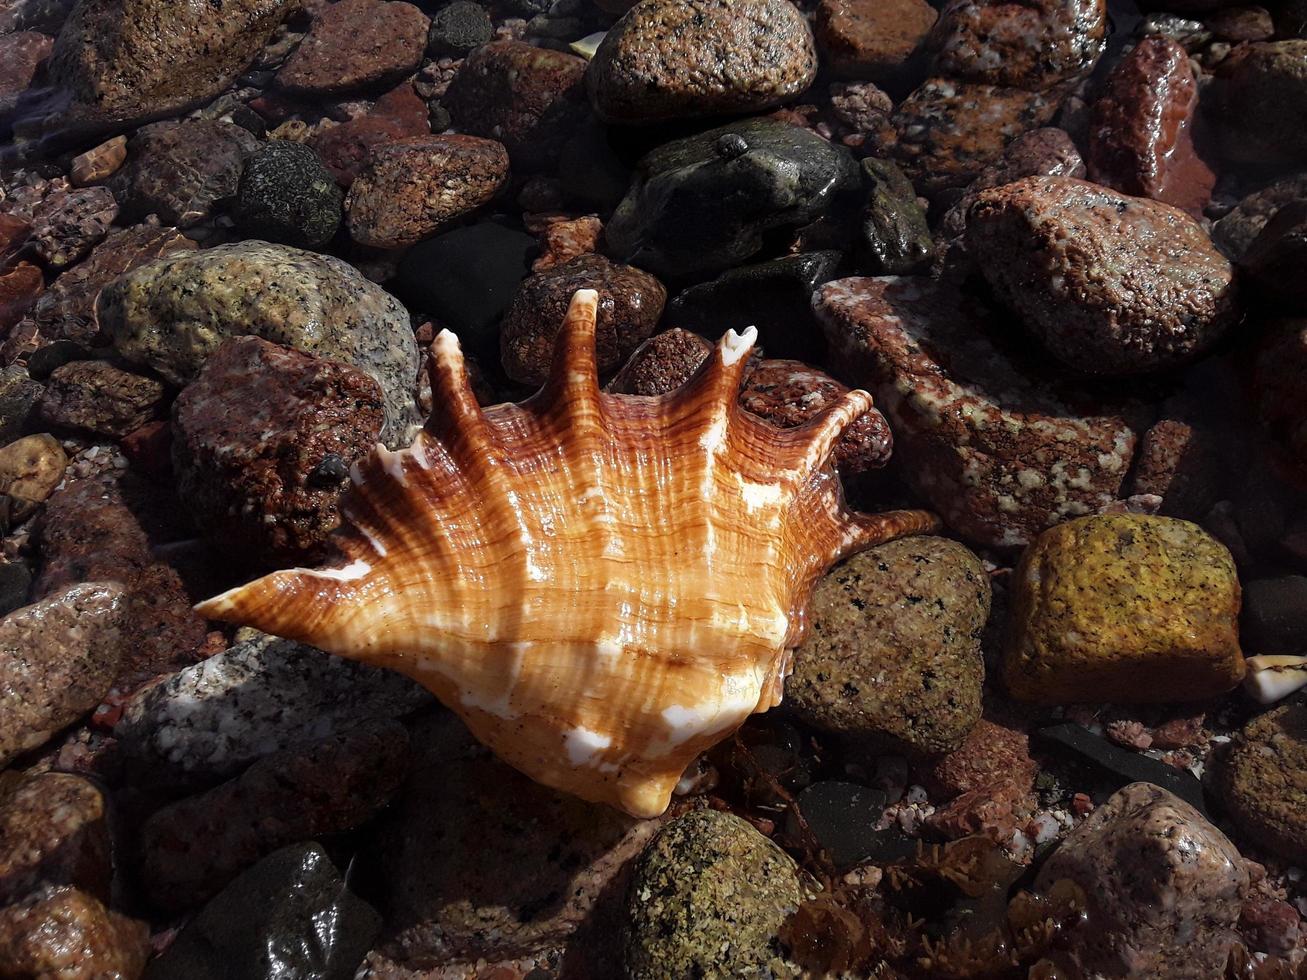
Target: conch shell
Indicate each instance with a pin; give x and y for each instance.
(601, 586)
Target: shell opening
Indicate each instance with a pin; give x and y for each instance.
(737, 345)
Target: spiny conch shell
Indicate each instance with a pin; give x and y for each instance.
(601, 586)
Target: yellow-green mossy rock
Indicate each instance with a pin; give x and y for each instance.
(1126, 608)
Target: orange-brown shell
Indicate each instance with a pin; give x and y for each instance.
(601, 586)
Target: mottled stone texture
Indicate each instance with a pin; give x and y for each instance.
(1262, 778)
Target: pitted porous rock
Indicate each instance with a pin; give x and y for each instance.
(679, 59)
(263, 439)
(66, 933)
(661, 364)
(1262, 778)
(1045, 152)
(1032, 45)
(999, 449)
(58, 657)
(180, 171)
(54, 830)
(947, 132)
(1164, 888)
(356, 45)
(260, 696)
(173, 313)
(1110, 284)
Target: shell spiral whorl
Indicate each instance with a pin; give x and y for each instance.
(601, 586)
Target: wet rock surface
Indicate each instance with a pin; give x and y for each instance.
(96, 397)
(286, 194)
(875, 41)
(356, 45)
(56, 832)
(1261, 780)
(64, 932)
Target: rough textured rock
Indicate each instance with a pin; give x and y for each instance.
(1123, 607)
(1109, 284)
(345, 148)
(870, 39)
(99, 162)
(1264, 103)
(410, 188)
(30, 469)
(58, 657)
(263, 440)
(66, 222)
(1271, 263)
(459, 27)
(173, 313)
(895, 238)
(691, 58)
(893, 649)
(182, 171)
(990, 754)
(630, 303)
(663, 362)
(19, 396)
(996, 446)
(1180, 464)
(191, 849)
(356, 45)
(96, 397)
(65, 933)
(33, 15)
(1262, 777)
(707, 898)
(54, 830)
(1164, 888)
(287, 195)
(528, 98)
(259, 696)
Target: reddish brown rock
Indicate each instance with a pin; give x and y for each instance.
(872, 39)
(99, 162)
(1281, 396)
(999, 448)
(861, 111)
(567, 239)
(997, 810)
(528, 98)
(262, 444)
(991, 754)
(149, 449)
(1270, 926)
(67, 222)
(193, 848)
(790, 393)
(14, 233)
(411, 188)
(30, 469)
(1141, 130)
(20, 56)
(96, 397)
(19, 289)
(1181, 465)
(356, 45)
(65, 933)
(53, 831)
(345, 148)
(662, 363)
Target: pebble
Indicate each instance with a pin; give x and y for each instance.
(998, 448)
(667, 59)
(1278, 395)
(30, 469)
(411, 188)
(870, 40)
(1121, 767)
(991, 754)
(172, 314)
(1270, 926)
(291, 915)
(355, 46)
(193, 848)
(1180, 464)
(286, 194)
(567, 239)
(67, 222)
(251, 434)
(58, 658)
(54, 830)
(1163, 886)
(1262, 92)
(260, 696)
(895, 239)
(707, 898)
(459, 27)
(182, 171)
(1234, 232)
(1262, 778)
(98, 163)
(893, 648)
(20, 288)
(630, 303)
(97, 398)
(345, 148)
(661, 364)
(1123, 608)
(1110, 284)
(528, 98)
(68, 934)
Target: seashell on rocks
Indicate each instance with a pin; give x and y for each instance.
(1274, 676)
(602, 586)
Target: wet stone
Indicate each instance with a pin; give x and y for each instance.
(356, 45)
(66, 933)
(96, 397)
(1180, 464)
(287, 195)
(1273, 259)
(896, 240)
(661, 364)
(99, 162)
(990, 754)
(30, 469)
(20, 287)
(345, 148)
(1237, 230)
(1119, 766)
(567, 239)
(33, 15)
(19, 396)
(459, 27)
(21, 55)
(53, 831)
(866, 39)
(1263, 95)
(1262, 778)
(68, 222)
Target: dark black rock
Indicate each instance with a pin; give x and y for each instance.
(1274, 615)
(895, 237)
(775, 296)
(19, 395)
(1275, 259)
(458, 28)
(1121, 766)
(15, 581)
(290, 917)
(247, 119)
(842, 817)
(42, 362)
(466, 279)
(287, 195)
(692, 210)
(438, 117)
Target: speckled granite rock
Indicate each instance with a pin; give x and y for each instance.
(1123, 607)
(707, 898)
(872, 39)
(691, 58)
(1164, 888)
(1110, 284)
(356, 45)
(997, 447)
(180, 171)
(96, 397)
(54, 830)
(58, 657)
(30, 469)
(410, 188)
(630, 303)
(286, 194)
(1181, 464)
(263, 440)
(1262, 777)
(65, 933)
(893, 649)
(260, 696)
(663, 362)
(192, 848)
(173, 313)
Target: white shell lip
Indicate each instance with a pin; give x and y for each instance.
(1272, 677)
